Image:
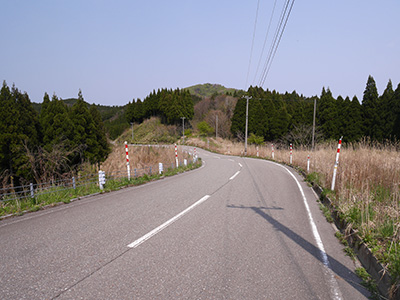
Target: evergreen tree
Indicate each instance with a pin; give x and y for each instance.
(8, 128)
(139, 111)
(371, 109)
(19, 132)
(84, 137)
(239, 118)
(341, 106)
(151, 104)
(387, 115)
(270, 115)
(327, 115)
(355, 128)
(395, 106)
(130, 112)
(280, 125)
(102, 147)
(56, 124)
(257, 121)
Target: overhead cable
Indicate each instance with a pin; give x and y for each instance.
(265, 41)
(252, 43)
(277, 38)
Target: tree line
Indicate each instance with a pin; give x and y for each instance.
(289, 116)
(170, 105)
(43, 146)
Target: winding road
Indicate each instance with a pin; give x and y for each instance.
(237, 228)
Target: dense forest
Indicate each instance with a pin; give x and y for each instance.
(289, 116)
(39, 142)
(42, 146)
(169, 105)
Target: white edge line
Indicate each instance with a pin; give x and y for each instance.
(234, 175)
(335, 290)
(166, 224)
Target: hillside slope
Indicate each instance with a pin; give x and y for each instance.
(208, 90)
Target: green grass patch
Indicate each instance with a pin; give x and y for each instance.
(327, 212)
(368, 282)
(57, 195)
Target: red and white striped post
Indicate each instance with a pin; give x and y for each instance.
(336, 164)
(291, 154)
(273, 154)
(127, 160)
(176, 155)
(308, 163)
(195, 155)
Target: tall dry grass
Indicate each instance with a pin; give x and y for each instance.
(141, 157)
(366, 190)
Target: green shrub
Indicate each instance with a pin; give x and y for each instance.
(253, 139)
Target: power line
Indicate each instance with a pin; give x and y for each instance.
(265, 41)
(273, 44)
(276, 41)
(252, 43)
(280, 37)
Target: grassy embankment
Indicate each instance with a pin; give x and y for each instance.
(367, 193)
(141, 159)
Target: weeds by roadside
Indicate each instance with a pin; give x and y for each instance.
(58, 195)
(367, 193)
(369, 283)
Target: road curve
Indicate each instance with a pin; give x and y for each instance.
(237, 228)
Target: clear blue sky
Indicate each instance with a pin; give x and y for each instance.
(115, 51)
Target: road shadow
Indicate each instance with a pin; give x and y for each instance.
(337, 267)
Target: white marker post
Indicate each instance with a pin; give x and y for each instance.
(291, 154)
(195, 155)
(336, 164)
(176, 156)
(257, 152)
(102, 179)
(127, 161)
(308, 163)
(160, 168)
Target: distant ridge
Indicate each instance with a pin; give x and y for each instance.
(208, 89)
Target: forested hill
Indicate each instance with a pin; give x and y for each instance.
(209, 90)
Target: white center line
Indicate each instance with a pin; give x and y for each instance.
(234, 175)
(240, 165)
(166, 224)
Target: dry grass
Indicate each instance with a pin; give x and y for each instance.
(366, 190)
(141, 157)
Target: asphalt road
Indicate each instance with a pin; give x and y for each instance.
(234, 229)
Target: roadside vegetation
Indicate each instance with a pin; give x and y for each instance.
(367, 190)
(143, 158)
(46, 142)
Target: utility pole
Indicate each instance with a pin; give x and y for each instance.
(183, 128)
(216, 126)
(247, 121)
(313, 127)
(132, 132)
